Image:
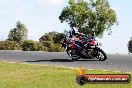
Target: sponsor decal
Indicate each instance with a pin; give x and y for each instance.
(84, 78)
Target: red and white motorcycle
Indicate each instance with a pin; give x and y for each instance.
(90, 49)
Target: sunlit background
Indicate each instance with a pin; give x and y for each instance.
(41, 16)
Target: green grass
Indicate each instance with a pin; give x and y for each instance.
(14, 75)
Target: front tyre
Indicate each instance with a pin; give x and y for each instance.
(101, 56)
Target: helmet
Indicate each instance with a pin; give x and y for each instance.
(74, 30)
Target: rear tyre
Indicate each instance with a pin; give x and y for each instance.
(72, 54)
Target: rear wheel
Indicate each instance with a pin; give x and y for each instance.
(72, 54)
(101, 56)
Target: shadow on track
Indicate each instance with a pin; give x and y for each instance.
(61, 60)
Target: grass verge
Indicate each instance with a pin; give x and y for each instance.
(14, 75)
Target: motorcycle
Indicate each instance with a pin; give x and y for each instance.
(90, 49)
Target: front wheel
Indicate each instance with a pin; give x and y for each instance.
(101, 56)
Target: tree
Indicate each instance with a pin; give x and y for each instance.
(46, 37)
(19, 33)
(95, 15)
(130, 46)
(58, 38)
(52, 41)
(54, 37)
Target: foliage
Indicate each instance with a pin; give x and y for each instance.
(95, 15)
(52, 41)
(56, 48)
(54, 37)
(46, 37)
(130, 46)
(47, 43)
(58, 38)
(19, 33)
(9, 45)
(51, 47)
(30, 45)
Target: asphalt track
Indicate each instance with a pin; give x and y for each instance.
(116, 62)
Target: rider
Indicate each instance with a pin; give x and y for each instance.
(73, 32)
(73, 35)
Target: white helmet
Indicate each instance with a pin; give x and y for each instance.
(74, 30)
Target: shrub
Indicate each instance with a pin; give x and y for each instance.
(30, 45)
(9, 45)
(47, 43)
(53, 47)
(56, 48)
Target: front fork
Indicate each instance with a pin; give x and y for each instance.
(95, 52)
